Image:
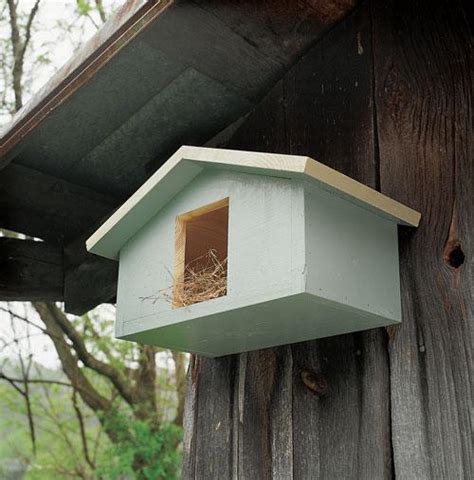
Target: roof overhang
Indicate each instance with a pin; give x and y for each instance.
(188, 162)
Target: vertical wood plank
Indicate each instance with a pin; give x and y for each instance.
(265, 411)
(188, 469)
(423, 80)
(214, 418)
(328, 101)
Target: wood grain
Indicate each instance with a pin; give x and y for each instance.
(423, 86)
(214, 422)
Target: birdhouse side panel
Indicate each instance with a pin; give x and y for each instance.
(351, 254)
(265, 250)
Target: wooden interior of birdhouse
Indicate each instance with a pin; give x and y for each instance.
(201, 254)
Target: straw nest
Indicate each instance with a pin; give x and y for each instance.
(204, 278)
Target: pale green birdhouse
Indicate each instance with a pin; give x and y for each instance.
(224, 251)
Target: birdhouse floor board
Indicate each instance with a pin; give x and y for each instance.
(279, 321)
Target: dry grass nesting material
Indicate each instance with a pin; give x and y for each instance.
(204, 278)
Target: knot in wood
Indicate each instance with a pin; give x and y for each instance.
(315, 382)
(453, 254)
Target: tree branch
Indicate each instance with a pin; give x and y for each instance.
(144, 392)
(82, 430)
(29, 23)
(36, 380)
(100, 8)
(19, 47)
(89, 394)
(56, 316)
(180, 381)
(13, 382)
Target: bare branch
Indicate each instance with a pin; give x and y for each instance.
(13, 382)
(53, 314)
(82, 430)
(100, 8)
(36, 380)
(19, 47)
(89, 394)
(180, 361)
(29, 23)
(22, 318)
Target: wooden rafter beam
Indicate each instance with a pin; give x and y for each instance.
(88, 280)
(30, 270)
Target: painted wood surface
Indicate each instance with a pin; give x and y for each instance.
(259, 271)
(376, 404)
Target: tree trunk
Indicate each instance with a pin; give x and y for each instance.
(384, 97)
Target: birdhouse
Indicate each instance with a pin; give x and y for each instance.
(224, 251)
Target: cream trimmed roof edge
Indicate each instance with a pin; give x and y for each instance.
(188, 162)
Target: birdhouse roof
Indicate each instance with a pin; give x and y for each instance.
(188, 162)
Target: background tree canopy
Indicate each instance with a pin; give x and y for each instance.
(103, 408)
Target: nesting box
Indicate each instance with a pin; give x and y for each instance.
(286, 249)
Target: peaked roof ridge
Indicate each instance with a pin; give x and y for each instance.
(188, 162)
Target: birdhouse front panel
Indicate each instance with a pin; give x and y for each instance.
(223, 251)
(220, 223)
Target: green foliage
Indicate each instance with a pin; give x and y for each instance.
(58, 443)
(83, 7)
(141, 451)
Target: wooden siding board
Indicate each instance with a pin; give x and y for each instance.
(265, 434)
(214, 422)
(188, 468)
(423, 78)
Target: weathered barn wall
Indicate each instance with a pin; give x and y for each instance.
(385, 98)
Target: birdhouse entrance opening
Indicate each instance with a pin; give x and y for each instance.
(201, 254)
